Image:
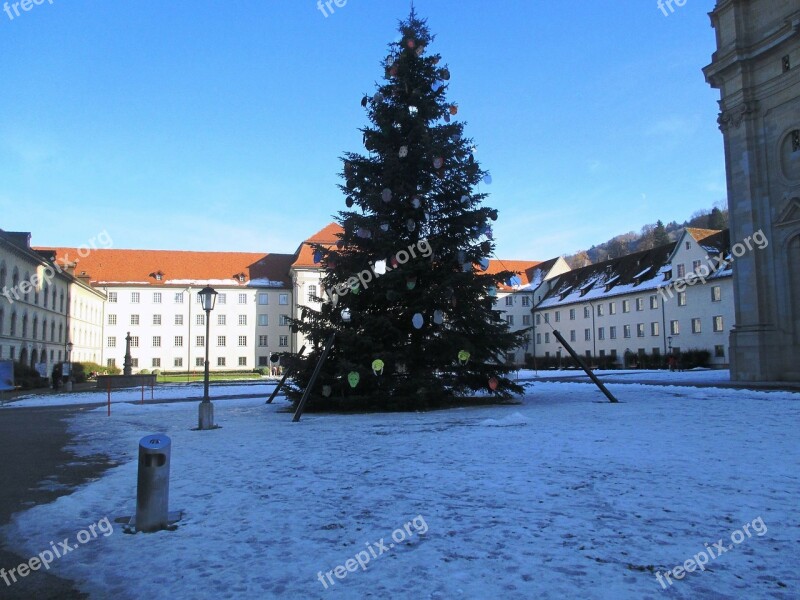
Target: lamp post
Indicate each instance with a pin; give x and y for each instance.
(559, 358)
(208, 297)
(70, 346)
(669, 341)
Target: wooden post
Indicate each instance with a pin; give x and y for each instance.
(586, 369)
(283, 379)
(317, 369)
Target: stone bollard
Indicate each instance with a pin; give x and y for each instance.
(152, 494)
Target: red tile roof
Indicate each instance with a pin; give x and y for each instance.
(327, 236)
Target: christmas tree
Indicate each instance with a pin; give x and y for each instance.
(405, 289)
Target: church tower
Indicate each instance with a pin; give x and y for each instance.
(756, 67)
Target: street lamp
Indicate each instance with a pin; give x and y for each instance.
(208, 297)
(559, 358)
(70, 346)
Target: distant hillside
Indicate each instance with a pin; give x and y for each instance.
(650, 236)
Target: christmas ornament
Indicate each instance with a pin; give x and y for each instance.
(413, 110)
(411, 44)
(493, 384)
(487, 179)
(349, 202)
(346, 317)
(364, 101)
(394, 262)
(446, 117)
(465, 198)
(438, 317)
(444, 74)
(326, 390)
(353, 378)
(403, 151)
(411, 225)
(418, 320)
(377, 366)
(463, 357)
(386, 195)
(493, 214)
(384, 227)
(380, 267)
(415, 202)
(454, 109)
(436, 85)
(411, 282)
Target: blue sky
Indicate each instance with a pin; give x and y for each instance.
(219, 126)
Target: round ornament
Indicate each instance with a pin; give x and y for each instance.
(493, 383)
(346, 316)
(415, 202)
(454, 109)
(487, 179)
(463, 357)
(418, 320)
(326, 390)
(377, 366)
(403, 151)
(411, 225)
(349, 202)
(353, 378)
(386, 195)
(438, 317)
(438, 162)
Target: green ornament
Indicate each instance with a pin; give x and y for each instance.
(463, 357)
(353, 378)
(377, 366)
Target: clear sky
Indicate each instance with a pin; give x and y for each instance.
(204, 125)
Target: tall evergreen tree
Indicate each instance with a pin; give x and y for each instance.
(406, 288)
(717, 219)
(660, 235)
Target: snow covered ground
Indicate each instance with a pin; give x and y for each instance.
(564, 496)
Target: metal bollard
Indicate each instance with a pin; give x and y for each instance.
(152, 493)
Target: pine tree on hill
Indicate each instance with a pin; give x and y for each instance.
(405, 288)
(717, 219)
(660, 235)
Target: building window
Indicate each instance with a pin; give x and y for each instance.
(220, 319)
(718, 325)
(134, 341)
(156, 362)
(178, 319)
(538, 338)
(134, 319)
(681, 298)
(510, 319)
(695, 265)
(546, 338)
(111, 342)
(156, 297)
(242, 319)
(546, 317)
(112, 297)
(571, 314)
(242, 298)
(587, 335)
(640, 330)
(156, 341)
(156, 319)
(674, 328)
(220, 340)
(242, 340)
(200, 341)
(526, 301)
(696, 326)
(178, 362)
(601, 333)
(263, 320)
(242, 361)
(626, 306)
(263, 298)
(284, 320)
(283, 341)
(283, 299)
(312, 293)
(612, 308)
(222, 298)
(586, 312)
(134, 297)
(111, 362)
(640, 304)
(719, 351)
(682, 269)
(573, 336)
(178, 341)
(716, 294)
(526, 319)
(199, 362)
(221, 361)
(263, 361)
(201, 320)
(135, 362)
(626, 331)
(653, 301)
(262, 341)
(538, 319)
(654, 328)
(599, 310)
(509, 300)
(178, 297)
(112, 319)
(612, 332)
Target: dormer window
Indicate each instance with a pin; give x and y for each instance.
(158, 275)
(240, 277)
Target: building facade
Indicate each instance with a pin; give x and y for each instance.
(756, 67)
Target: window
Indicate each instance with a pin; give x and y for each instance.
(220, 340)
(111, 342)
(688, 245)
(640, 304)
(587, 335)
(199, 362)
(312, 293)
(716, 293)
(112, 319)
(538, 319)
(674, 328)
(200, 341)
(135, 362)
(283, 299)
(601, 333)
(571, 314)
(653, 301)
(696, 326)
(612, 308)
(112, 297)
(586, 312)
(178, 319)
(526, 319)
(284, 320)
(718, 325)
(510, 320)
(695, 265)
(546, 338)
(558, 316)
(242, 319)
(111, 362)
(156, 319)
(178, 297)
(178, 341)
(612, 332)
(201, 320)
(526, 301)
(178, 362)
(546, 317)
(242, 361)
(222, 298)
(156, 362)
(156, 341)
(640, 330)
(719, 351)
(509, 300)
(682, 270)
(156, 297)
(262, 341)
(134, 319)
(626, 306)
(263, 298)
(134, 341)
(538, 338)
(626, 331)
(681, 298)
(220, 319)
(283, 341)
(572, 335)
(263, 320)
(656, 351)
(263, 361)
(242, 298)
(221, 361)
(599, 310)
(134, 297)
(242, 340)
(654, 328)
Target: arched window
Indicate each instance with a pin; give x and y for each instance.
(13, 325)
(54, 298)
(60, 337)
(2, 274)
(27, 287)
(15, 279)
(53, 331)
(35, 330)
(2, 320)
(25, 325)
(44, 330)
(61, 303)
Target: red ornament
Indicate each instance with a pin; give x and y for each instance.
(493, 383)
